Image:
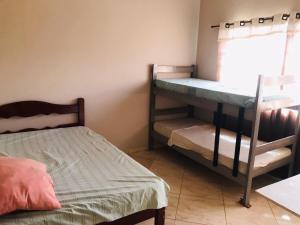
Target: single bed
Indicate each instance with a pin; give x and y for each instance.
(95, 182)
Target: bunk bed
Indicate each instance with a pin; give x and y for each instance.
(227, 152)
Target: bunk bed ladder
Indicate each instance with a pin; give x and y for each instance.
(217, 135)
(239, 134)
(193, 75)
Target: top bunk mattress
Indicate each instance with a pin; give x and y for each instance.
(94, 181)
(217, 91)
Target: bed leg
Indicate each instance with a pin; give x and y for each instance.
(160, 217)
(245, 201)
(151, 145)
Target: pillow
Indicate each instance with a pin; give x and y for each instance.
(25, 185)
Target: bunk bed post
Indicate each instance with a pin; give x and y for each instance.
(239, 134)
(295, 144)
(217, 136)
(152, 107)
(193, 75)
(254, 136)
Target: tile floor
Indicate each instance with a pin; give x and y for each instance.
(199, 196)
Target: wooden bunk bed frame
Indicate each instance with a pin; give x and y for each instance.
(220, 110)
(34, 108)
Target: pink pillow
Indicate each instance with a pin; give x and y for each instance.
(25, 185)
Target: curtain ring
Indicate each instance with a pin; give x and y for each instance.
(227, 25)
(297, 15)
(242, 23)
(285, 17)
(261, 20)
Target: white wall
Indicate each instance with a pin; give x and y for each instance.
(58, 50)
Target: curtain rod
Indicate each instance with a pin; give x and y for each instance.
(260, 20)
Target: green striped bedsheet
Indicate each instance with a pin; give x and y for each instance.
(94, 181)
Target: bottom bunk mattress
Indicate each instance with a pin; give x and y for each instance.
(197, 136)
(94, 181)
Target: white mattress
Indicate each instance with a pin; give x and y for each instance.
(199, 137)
(94, 181)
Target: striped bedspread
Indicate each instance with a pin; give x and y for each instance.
(94, 181)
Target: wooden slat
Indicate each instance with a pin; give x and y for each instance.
(283, 142)
(279, 80)
(175, 69)
(169, 111)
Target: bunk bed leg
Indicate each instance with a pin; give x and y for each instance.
(245, 201)
(239, 134)
(295, 145)
(218, 131)
(254, 136)
(152, 108)
(193, 75)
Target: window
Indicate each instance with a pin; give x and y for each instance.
(271, 48)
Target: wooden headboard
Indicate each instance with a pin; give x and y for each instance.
(34, 108)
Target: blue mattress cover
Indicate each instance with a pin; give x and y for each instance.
(215, 91)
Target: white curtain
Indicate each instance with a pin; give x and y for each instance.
(271, 48)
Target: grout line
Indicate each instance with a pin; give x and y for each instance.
(272, 212)
(224, 206)
(181, 183)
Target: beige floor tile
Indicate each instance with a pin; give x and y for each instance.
(200, 196)
(167, 168)
(197, 172)
(174, 183)
(200, 188)
(151, 222)
(283, 216)
(172, 207)
(144, 160)
(201, 210)
(232, 191)
(150, 155)
(177, 222)
(259, 214)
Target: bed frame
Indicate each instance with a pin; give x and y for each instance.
(34, 108)
(220, 111)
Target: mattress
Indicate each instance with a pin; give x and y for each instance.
(166, 127)
(94, 181)
(200, 138)
(216, 91)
